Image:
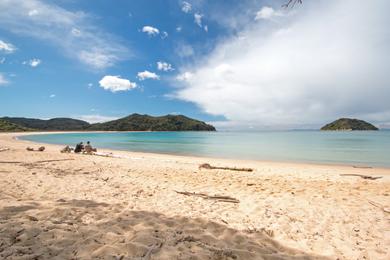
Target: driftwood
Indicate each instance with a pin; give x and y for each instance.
(366, 177)
(10, 162)
(386, 210)
(208, 166)
(208, 197)
(4, 149)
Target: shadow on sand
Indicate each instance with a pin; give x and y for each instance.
(84, 229)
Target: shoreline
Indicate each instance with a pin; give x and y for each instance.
(67, 206)
(251, 161)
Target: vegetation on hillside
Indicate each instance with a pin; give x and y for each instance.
(137, 122)
(348, 124)
(55, 124)
(6, 126)
(134, 122)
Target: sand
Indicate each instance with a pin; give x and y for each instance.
(94, 207)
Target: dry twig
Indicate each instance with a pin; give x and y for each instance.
(206, 196)
(366, 177)
(208, 166)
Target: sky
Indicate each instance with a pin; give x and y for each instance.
(238, 64)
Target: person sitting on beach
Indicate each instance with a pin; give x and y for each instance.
(79, 148)
(88, 148)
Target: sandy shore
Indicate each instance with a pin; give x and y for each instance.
(84, 206)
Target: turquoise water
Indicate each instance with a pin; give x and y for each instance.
(371, 148)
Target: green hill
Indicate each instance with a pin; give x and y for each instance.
(55, 124)
(137, 122)
(348, 124)
(134, 122)
(6, 126)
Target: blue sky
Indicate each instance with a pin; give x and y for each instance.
(234, 63)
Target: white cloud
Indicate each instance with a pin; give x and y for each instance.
(151, 31)
(96, 118)
(185, 76)
(164, 66)
(90, 85)
(198, 19)
(6, 47)
(33, 12)
(266, 13)
(76, 32)
(322, 63)
(206, 28)
(2, 60)
(116, 83)
(179, 29)
(184, 50)
(164, 35)
(33, 62)
(147, 75)
(72, 32)
(3, 80)
(186, 7)
(52, 96)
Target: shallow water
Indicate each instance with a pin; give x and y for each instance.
(370, 148)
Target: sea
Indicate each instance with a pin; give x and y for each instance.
(358, 148)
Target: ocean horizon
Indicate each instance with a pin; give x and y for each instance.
(360, 148)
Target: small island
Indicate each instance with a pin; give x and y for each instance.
(348, 124)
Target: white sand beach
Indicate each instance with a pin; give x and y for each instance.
(74, 206)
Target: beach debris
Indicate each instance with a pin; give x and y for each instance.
(366, 177)
(57, 160)
(376, 204)
(10, 162)
(220, 198)
(362, 167)
(40, 149)
(3, 149)
(209, 167)
(66, 149)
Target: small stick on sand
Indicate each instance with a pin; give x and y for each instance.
(59, 160)
(386, 210)
(205, 196)
(208, 166)
(10, 162)
(366, 177)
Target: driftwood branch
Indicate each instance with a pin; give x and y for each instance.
(366, 177)
(208, 197)
(386, 210)
(208, 166)
(10, 162)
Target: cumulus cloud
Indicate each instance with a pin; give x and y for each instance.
(151, 31)
(266, 13)
(6, 47)
(3, 80)
(73, 32)
(186, 7)
(164, 66)
(198, 19)
(312, 67)
(33, 62)
(147, 75)
(116, 83)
